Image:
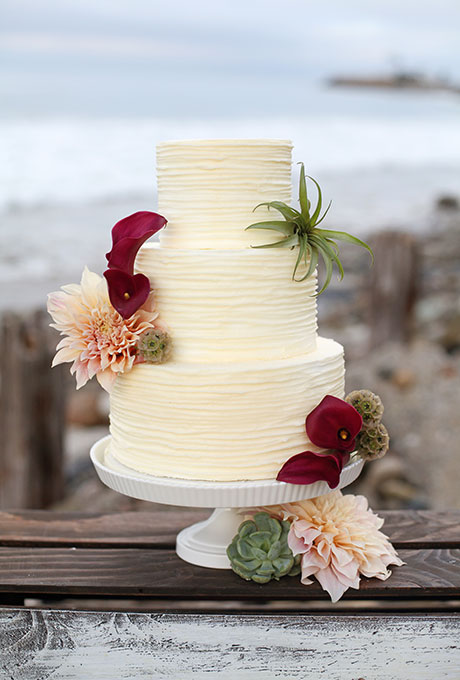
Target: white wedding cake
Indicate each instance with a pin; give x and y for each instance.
(247, 364)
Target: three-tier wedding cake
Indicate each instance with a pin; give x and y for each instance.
(247, 364)
(221, 391)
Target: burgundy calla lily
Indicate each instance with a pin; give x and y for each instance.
(334, 424)
(127, 237)
(127, 292)
(309, 467)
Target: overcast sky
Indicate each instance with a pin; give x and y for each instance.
(198, 57)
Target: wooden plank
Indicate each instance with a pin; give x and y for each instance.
(42, 644)
(161, 574)
(32, 404)
(158, 529)
(117, 529)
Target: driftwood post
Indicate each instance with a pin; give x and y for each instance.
(394, 288)
(32, 402)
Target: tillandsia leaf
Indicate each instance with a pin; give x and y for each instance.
(286, 211)
(300, 256)
(332, 249)
(286, 228)
(348, 238)
(328, 264)
(288, 242)
(301, 229)
(324, 214)
(303, 199)
(314, 217)
(313, 262)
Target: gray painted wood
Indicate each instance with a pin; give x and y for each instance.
(41, 644)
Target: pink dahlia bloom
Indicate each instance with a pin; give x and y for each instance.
(96, 339)
(339, 539)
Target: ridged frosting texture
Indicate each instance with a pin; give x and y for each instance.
(208, 190)
(231, 305)
(221, 422)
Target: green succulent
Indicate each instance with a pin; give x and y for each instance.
(260, 552)
(154, 346)
(373, 442)
(300, 228)
(368, 405)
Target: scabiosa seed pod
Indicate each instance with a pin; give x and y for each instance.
(154, 346)
(373, 442)
(368, 405)
(260, 552)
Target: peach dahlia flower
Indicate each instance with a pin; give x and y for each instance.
(97, 339)
(339, 539)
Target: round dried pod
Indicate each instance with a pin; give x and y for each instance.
(373, 442)
(154, 346)
(368, 405)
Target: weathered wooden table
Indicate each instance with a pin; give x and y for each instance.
(105, 596)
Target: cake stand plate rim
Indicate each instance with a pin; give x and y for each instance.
(196, 493)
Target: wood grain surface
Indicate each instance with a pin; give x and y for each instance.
(45, 645)
(140, 572)
(158, 529)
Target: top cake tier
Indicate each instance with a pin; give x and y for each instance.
(209, 189)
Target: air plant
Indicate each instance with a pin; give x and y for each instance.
(300, 228)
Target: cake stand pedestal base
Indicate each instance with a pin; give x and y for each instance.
(205, 543)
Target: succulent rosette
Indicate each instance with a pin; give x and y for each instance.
(260, 552)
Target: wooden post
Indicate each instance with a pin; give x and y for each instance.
(32, 413)
(394, 288)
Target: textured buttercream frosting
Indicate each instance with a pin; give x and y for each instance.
(208, 190)
(247, 366)
(221, 422)
(231, 305)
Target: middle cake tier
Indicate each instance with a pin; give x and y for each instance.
(220, 421)
(231, 305)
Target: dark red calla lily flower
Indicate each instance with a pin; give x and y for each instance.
(127, 237)
(127, 292)
(334, 424)
(309, 467)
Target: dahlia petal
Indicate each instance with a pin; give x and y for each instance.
(64, 355)
(106, 379)
(72, 288)
(311, 561)
(81, 371)
(331, 584)
(328, 418)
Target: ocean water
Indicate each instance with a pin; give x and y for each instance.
(383, 159)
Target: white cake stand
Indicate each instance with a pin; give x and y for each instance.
(205, 543)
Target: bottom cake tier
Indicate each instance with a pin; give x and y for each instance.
(220, 422)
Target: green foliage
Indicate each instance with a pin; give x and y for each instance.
(259, 552)
(300, 229)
